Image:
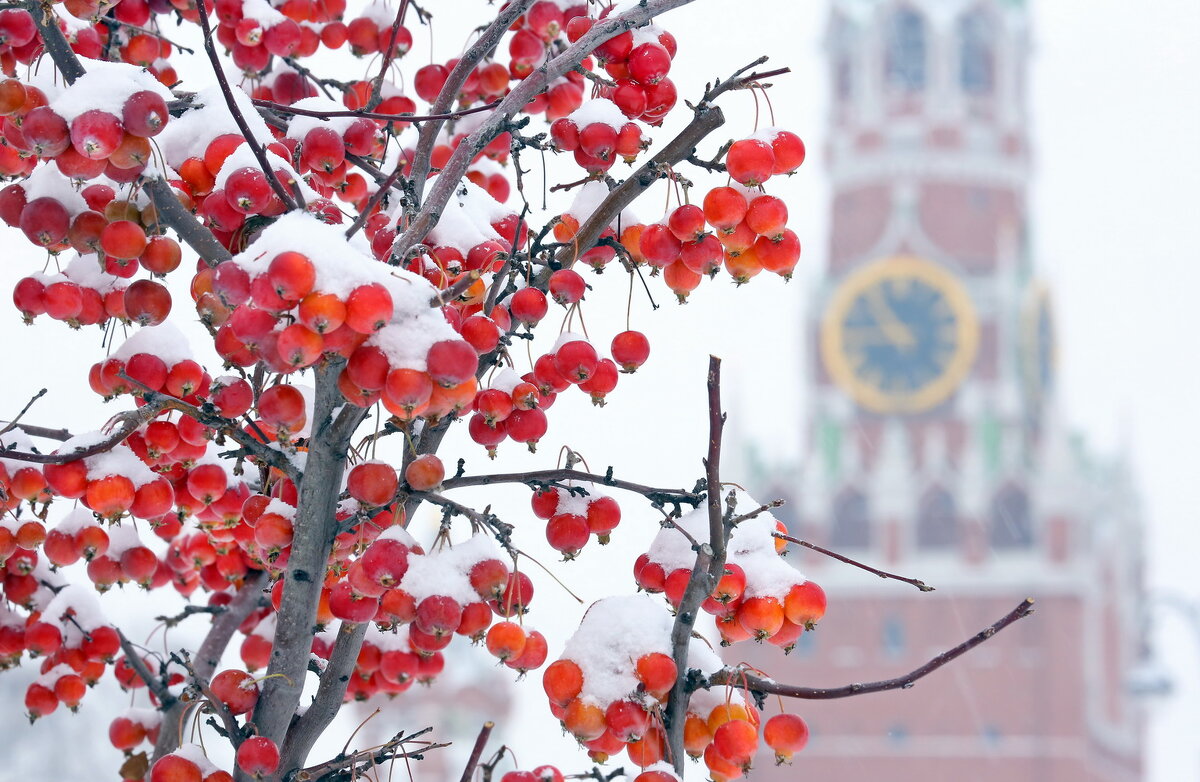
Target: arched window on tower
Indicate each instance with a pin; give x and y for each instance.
(1010, 525)
(937, 520)
(906, 56)
(842, 41)
(851, 525)
(976, 53)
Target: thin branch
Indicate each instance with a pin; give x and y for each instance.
(259, 153)
(247, 599)
(190, 610)
(921, 585)
(44, 431)
(233, 731)
(739, 676)
(171, 212)
(55, 42)
(344, 766)
(477, 751)
(154, 683)
(486, 42)
(456, 289)
(545, 477)
(282, 109)
(707, 119)
(16, 421)
(706, 571)
(376, 199)
(388, 56)
(129, 422)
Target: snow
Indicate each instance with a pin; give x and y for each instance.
(341, 265)
(189, 135)
(396, 532)
(48, 678)
(395, 640)
(75, 520)
(164, 340)
(614, 633)
(106, 86)
(281, 508)
(16, 440)
(565, 337)
(599, 111)
(262, 12)
(46, 181)
(505, 380)
(751, 547)
(766, 134)
(575, 502)
(381, 13)
(299, 125)
(444, 572)
(79, 602)
(120, 460)
(121, 538)
(87, 271)
(148, 718)
(196, 754)
(587, 200)
(407, 343)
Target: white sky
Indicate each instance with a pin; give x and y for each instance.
(1116, 226)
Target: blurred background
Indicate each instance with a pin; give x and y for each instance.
(983, 375)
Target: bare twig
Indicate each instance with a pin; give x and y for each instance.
(388, 56)
(190, 610)
(155, 684)
(456, 289)
(128, 423)
(415, 118)
(477, 750)
(217, 706)
(16, 421)
(344, 766)
(547, 477)
(44, 431)
(921, 585)
(739, 676)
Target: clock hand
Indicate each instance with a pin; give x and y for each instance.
(892, 326)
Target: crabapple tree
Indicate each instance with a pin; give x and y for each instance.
(366, 262)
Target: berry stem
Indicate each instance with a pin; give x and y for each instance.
(921, 585)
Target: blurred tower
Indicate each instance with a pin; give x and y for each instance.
(935, 445)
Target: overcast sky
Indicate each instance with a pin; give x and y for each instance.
(1116, 229)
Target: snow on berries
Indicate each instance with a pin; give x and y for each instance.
(758, 597)
(574, 512)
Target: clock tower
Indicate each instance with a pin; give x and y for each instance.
(936, 446)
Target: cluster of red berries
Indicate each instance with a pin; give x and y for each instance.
(639, 62)
(573, 513)
(74, 641)
(253, 40)
(759, 596)
(728, 738)
(598, 133)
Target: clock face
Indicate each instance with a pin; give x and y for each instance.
(899, 335)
